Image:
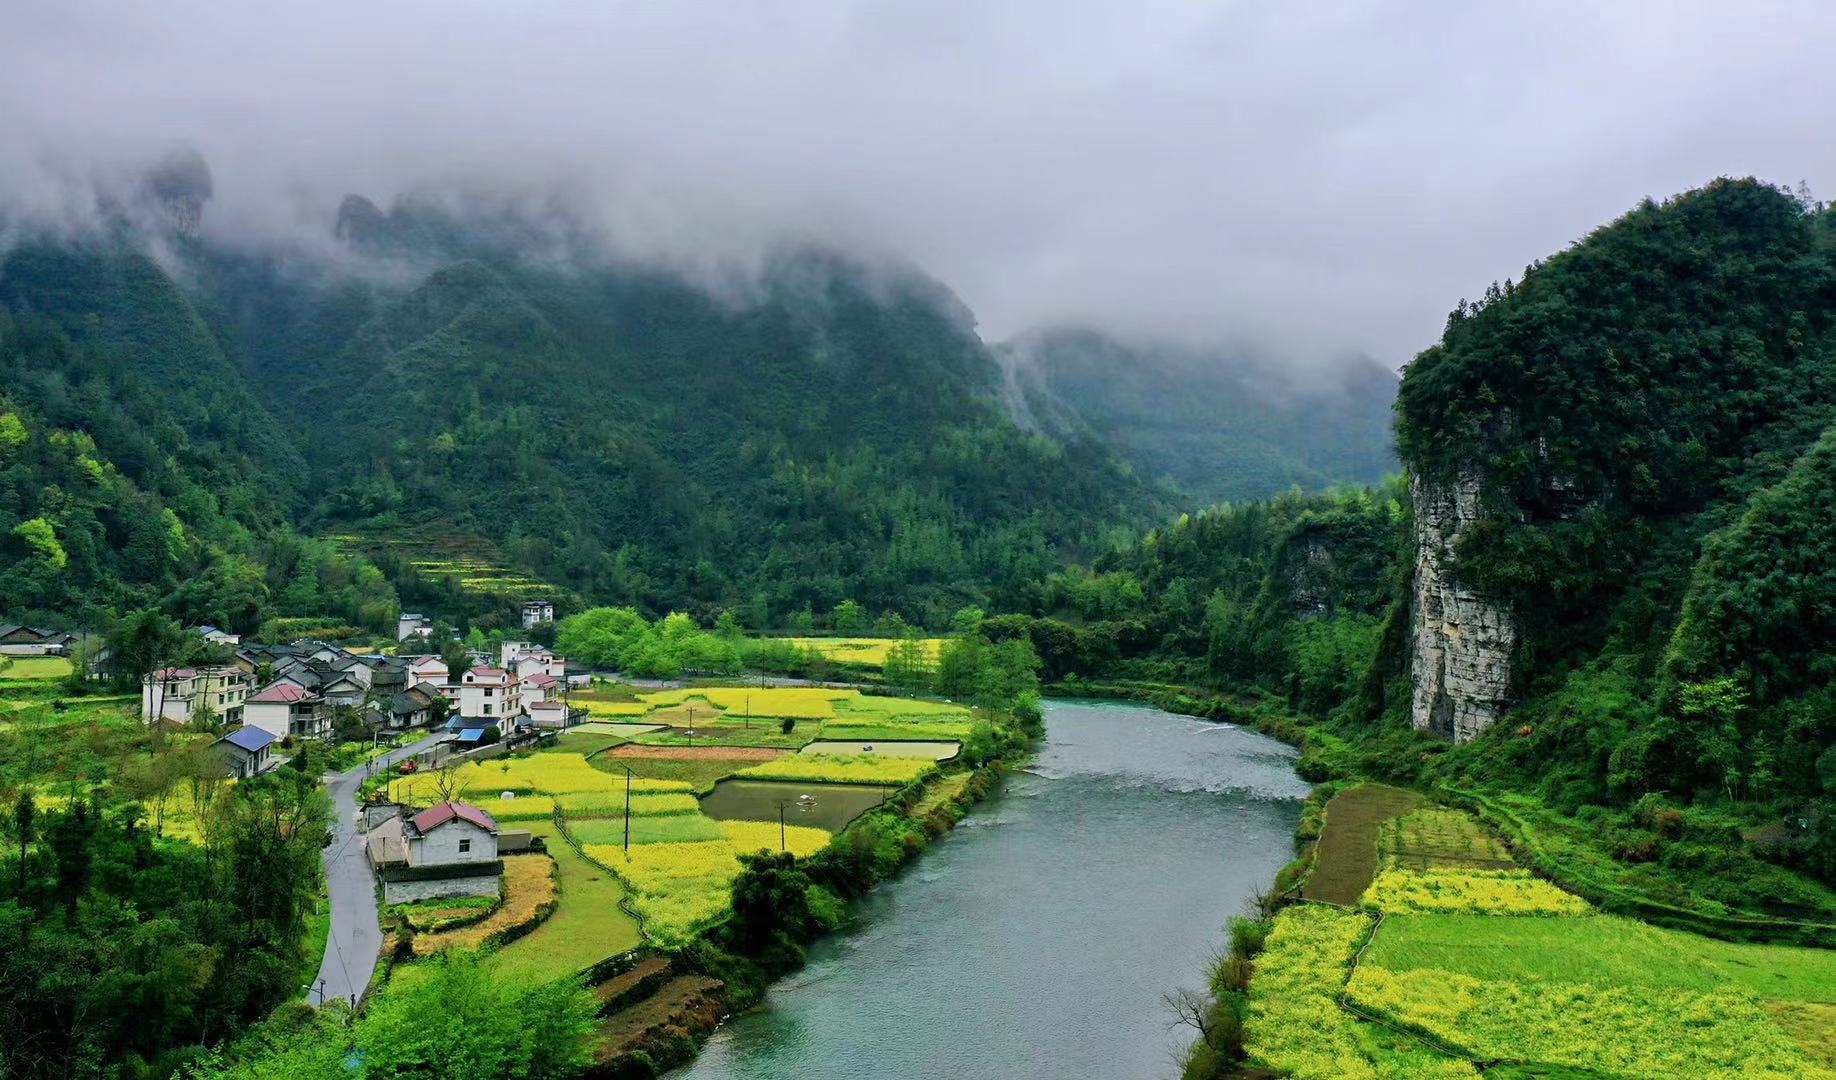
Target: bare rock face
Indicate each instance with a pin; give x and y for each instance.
(1462, 641)
(177, 187)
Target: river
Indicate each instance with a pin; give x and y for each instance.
(1036, 939)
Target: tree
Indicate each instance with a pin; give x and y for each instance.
(850, 617)
(907, 664)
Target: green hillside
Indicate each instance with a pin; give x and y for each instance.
(1211, 426)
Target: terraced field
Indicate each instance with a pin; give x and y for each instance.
(676, 856)
(472, 561)
(1473, 962)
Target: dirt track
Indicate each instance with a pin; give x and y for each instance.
(696, 753)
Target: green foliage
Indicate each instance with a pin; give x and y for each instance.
(622, 639)
(116, 946)
(454, 1019)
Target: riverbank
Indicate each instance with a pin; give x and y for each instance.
(1618, 860)
(660, 1021)
(1039, 936)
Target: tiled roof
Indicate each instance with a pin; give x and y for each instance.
(251, 739)
(440, 813)
(284, 693)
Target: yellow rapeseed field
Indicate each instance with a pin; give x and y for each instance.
(529, 887)
(1482, 892)
(841, 768)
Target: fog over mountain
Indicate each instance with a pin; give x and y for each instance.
(1318, 180)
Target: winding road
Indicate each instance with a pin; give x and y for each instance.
(352, 947)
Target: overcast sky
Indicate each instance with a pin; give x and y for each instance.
(1320, 176)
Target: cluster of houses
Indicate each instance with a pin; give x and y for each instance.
(298, 691)
(17, 640)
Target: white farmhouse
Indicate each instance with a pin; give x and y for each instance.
(284, 709)
(536, 612)
(178, 693)
(493, 694)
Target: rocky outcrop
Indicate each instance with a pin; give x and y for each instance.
(1462, 641)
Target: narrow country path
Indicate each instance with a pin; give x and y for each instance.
(356, 937)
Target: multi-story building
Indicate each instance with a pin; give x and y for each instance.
(285, 709)
(493, 694)
(178, 694)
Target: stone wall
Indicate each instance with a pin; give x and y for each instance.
(405, 892)
(1461, 642)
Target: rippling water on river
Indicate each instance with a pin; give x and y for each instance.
(1037, 939)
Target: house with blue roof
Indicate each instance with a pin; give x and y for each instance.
(245, 752)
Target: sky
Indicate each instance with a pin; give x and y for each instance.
(1317, 178)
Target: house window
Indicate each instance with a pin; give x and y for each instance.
(487, 710)
(465, 845)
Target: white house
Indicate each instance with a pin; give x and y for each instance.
(488, 693)
(450, 834)
(509, 651)
(430, 669)
(17, 640)
(448, 849)
(219, 637)
(176, 693)
(539, 687)
(547, 714)
(541, 662)
(408, 624)
(537, 611)
(283, 709)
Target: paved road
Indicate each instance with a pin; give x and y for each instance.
(356, 938)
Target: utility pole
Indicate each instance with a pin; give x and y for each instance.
(627, 769)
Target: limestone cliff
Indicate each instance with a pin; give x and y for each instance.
(1461, 642)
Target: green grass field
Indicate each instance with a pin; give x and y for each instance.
(1601, 951)
(33, 668)
(587, 924)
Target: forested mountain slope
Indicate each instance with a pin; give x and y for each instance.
(829, 431)
(1607, 579)
(1213, 426)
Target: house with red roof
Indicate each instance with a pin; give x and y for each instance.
(448, 849)
(286, 709)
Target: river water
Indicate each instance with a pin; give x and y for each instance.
(1036, 939)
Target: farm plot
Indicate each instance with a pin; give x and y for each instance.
(627, 731)
(828, 806)
(529, 895)
(842, 769)
(899, 748)
(34, 669)
(587, 925)
(1345, 856)
(680, 885)
(865, 652)
(1294, 1024)
(1605, 950)
(1497, 963)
